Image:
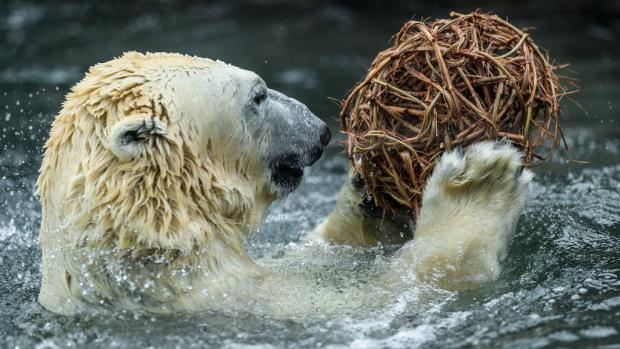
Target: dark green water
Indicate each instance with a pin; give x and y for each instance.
(560, 286)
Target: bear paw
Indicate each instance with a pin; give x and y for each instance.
(485, 171)
(470, 208)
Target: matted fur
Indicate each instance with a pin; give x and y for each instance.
(162, 189)
(169, 202)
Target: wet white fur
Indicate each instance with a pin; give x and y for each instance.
(155, 172)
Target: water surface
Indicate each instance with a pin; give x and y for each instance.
(560, 284)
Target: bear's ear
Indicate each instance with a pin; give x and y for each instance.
(130, 137)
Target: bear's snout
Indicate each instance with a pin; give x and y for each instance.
(316, 151)
(298, 140)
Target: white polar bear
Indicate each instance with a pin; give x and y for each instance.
(159, 165)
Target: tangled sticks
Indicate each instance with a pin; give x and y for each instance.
(444, 84)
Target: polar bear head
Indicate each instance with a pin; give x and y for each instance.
(234, 117)
(171, 151)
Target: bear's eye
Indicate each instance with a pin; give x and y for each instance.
(259, 97)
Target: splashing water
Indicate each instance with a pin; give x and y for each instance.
(560, 283)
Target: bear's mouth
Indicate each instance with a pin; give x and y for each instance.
(287, 173)
(287, 170)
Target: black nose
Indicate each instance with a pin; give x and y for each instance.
(326, 136)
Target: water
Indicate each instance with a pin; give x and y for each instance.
(560, 283)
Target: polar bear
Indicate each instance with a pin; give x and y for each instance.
(159, 165)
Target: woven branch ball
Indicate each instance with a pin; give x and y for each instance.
(443, 84)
